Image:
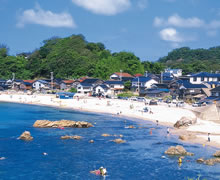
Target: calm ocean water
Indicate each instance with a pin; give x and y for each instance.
(138, 158)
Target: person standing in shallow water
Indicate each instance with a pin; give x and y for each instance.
(168, 130)
(209, 137)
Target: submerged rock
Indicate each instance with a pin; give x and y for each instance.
(119, 141)
(187, 137)
(178, 150)
(26, 135)
(184, 122)
(212, 161)
(200, 160)
(106, 135)
(71, 137)
(61, 123)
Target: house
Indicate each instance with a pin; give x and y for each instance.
(142, 83)
(204, 77)
(85, 88)
(66, 84)
(188, 90)
(174, 72)
(215, 92)
(154, 92)
(116, 87)
(101, 89)
(121, 76)
(138, 75)
(41, 84)
(166, 78)
(93, 81)
(27, 85)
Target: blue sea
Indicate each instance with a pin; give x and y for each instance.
(141, 157)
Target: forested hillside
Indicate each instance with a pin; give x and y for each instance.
(70, 57)
(73, 57)
(193, 60)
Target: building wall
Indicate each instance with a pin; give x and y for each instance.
(37, 85)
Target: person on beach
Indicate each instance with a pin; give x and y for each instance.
(157, 122)
(209, 137)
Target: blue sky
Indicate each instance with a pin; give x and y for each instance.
(148, 28)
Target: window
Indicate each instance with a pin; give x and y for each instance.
(202, 78)
(194, 78)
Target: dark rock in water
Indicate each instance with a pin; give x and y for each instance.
(26, 136)
(71, 137)
(61, 123)
(217, 154)
(119, 141)
(187, 137)
(178, 150)
(184, 122)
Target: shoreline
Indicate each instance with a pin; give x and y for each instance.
(166, 116)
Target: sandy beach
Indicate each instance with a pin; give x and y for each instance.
(162, 113)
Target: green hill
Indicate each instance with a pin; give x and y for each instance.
(193, 60)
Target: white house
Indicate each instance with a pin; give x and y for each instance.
(115, 86)
(102, 90)
(204, 77)
(84, 88)
(174, 72)
(142, 83)
(40, 84)
(121, 76)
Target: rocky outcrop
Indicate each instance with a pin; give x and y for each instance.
(184, 122)
(26, 136)
(209, 162)
(178, 150)
(187, 137)
(71, 137)
(217, 154)
(61, 123)
(118, 141)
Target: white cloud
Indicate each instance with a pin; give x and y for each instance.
(105, 7)
(171, 35)
(177, 21)
(45, 18)
(142, 4)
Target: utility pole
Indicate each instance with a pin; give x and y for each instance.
(51, 78)
(120, 74)
(161, 77)
(138, 86)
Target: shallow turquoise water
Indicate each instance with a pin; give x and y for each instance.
(138, 158)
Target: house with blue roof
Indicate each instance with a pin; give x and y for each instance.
(85, 88)
(174, 72)
(204, 77)
(102, 90)
(142, 82)
(116, 87)
(188, 90)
